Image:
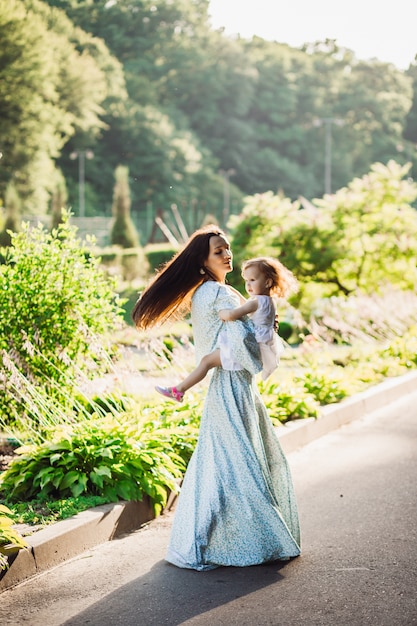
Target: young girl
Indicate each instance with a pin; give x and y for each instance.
(264, 278)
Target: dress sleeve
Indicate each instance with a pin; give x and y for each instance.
(237, 339)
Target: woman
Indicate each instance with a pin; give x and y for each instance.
(237, 504)
(265, 280)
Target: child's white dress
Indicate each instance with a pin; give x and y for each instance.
(270, 344)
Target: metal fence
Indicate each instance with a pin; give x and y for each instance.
(180, 220)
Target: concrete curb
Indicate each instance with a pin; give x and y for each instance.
(297, 434)
(69, 538)
(66, 539)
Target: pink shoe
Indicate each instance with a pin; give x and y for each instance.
(170, 392)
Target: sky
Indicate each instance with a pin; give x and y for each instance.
(381, 29)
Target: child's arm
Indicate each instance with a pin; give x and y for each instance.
(231, 315)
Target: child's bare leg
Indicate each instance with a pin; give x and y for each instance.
(207, 362)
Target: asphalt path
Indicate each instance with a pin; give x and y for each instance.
(357, 496)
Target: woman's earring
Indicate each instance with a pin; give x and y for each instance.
(202, 270)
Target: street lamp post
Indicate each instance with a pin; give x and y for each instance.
(81, 155)
(226, 174)
(328, 155)
(327, 122)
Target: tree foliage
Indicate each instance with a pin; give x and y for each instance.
(196, 102)
(361, 239)
(53, 81)
(374, 231)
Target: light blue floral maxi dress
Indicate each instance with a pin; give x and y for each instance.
(237, 505)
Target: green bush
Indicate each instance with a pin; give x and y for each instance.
(99, 457)
(57, 306)
(285, 330)
(114, 449)
(324, 389)
(124, 233)
(285, 403)
(159, 254)
(9, 537)
(11, 218)
(362, 239)
(127, 263)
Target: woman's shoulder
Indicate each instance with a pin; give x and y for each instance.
(209, 285)
(211, 292)
(208, 289)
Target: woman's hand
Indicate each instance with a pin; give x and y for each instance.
(276, 324)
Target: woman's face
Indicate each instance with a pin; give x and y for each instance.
(219, 260)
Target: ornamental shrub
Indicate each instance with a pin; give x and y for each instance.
(123, 232)
(57, 307)
(111, 457)
(159, 254)
(285, 330)
(9, 537)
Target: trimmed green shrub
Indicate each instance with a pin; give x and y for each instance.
(127, 263)
(12, 216)
(285, 330)
(159, 254)
(123, 232)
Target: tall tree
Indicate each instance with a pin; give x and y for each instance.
(51, 84)
(199, 102)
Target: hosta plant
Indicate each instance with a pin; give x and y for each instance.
(104, 456)
(9, 537)
(324, 389)
(285, 403)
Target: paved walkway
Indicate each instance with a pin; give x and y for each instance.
(66, 539)
(357, 497)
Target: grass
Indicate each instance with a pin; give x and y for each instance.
(41, 513)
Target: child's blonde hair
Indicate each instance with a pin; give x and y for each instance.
(283, 280)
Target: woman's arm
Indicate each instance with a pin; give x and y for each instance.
(231, 315)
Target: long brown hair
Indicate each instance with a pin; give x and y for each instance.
(169, 292)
